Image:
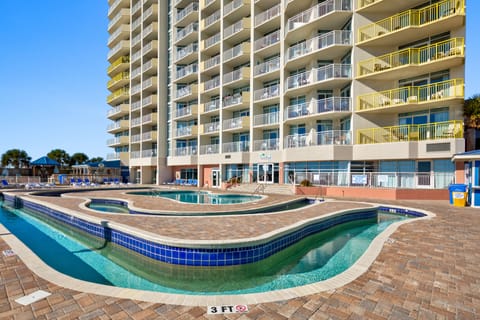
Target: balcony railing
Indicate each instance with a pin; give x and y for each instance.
(210, 149)
(123, 92)
(212, 40)
(239, 74)
(185, 151)
(121, 76)
(318, 106)
(267, 40)
(211, 105)
(233, 5)
(191, 48)
(267, 15)
(266, 93)
(413, 56)
(211, 19)
(314, 75)
(412, 18)
(263, 119)
(212, 62)
(332, 137)
(185, 91)
(236, 99)
(238, 50)
(192, 7)
(439, 91)
(267, 66)
(182, 33)
(335, 37)
(238, 146)
(211, 127)
(316, 12)
(235, 123)
(184, 111)
(212, 83)
(414, 132)
(266, 144)
(236, 27)
(190, 69)
(185, 131)
(116, 63)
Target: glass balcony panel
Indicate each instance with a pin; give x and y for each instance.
(266, 144)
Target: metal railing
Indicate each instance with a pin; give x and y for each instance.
(267, 15)
(335, 37)
(266, 93)
(414, 132)
(266, 144)
(411, 18)
(314, 75)
(443, 90)
(267, 40)
(266, 119)
(267, 66)
(238, 146)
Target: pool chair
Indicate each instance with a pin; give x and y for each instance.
(5, 184)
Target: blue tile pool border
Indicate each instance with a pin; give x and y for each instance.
(201, 256)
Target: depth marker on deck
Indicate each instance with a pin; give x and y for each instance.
(32, 297)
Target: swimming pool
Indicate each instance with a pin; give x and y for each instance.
(312, 259)
(200, 197)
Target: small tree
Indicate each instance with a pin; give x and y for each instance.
(16, 158)
(471, 114)
(96, 159)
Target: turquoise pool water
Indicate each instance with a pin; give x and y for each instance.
(313, 259)
(200, 197)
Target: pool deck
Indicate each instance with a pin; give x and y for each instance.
(428, 269)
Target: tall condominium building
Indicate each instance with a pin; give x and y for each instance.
(338, 92)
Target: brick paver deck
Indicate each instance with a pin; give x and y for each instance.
(430, 270)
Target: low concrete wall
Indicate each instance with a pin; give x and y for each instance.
(374, 193)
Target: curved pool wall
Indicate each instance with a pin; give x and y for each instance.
(209, 255)
(200, 197)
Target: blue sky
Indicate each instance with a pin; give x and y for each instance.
(53, 74)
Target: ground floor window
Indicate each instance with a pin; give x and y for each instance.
(238, 171)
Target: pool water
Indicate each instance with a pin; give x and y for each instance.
(200, 197)
(76, 254)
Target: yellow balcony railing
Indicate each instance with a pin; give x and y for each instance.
(412, 56)
(413, 132)
(121, 76)
(444, 90)
(412, 18)
(120, 92)
(124, 59)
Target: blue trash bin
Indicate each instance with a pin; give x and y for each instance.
(456, 188)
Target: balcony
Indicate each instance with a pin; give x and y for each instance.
(414, 24)
(118, 4)
(120, 80)
(186, 112)
(122, 17)
(237, 78)
(266, 94)
(150, 67)
(150, 50)
(187, 74)
(187, 54)
(122, 33)
(271, 119)
(118, 96)
(211, 66)
(149, 101)
(266, 144)
(266, 70)
(188, 15)
(236, 8)
(118, 126)
(328, 15)
(210, 149)
(186, 92)
(322, 138)
(150, 118)
(412, 98)
(408, 133)
(185, 132)
(122, 48)
(210, 128)
(268, 45)
(150, 32)
(211, 45)
(149, 136)
(236, 124)
(117, 141)
(212, 21)
(236, 102)
(239, 54)
(268, 19)
(210, 106)
(119, 65)
(237, 146)
(325, 77)
(212, 84)
(240, 30)
(118, 111)
(185, 151)
(187, 35)
(150, 85)
(329, 45)
(331, 108)
(150, 14)
(409, 62)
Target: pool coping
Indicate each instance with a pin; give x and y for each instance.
(37, 266)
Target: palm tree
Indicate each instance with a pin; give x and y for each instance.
(471, 113)
(16, 158)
